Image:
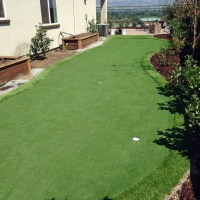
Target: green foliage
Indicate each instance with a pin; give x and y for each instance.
(164, 52)
(184, 25)
(126, 23)
(169, 12)
(134, 23)
(177, 43)
(110, 24)
(179, 34)
(121, 24)
(40, 43)
(133, 14)
(186, 81)
(92, 26)
(163, 58)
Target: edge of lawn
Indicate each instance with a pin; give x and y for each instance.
(160, 182)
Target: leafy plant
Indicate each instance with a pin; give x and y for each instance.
(92, 26)
(163, 58)
(121, 24)
(134, 23)
(179, 34)
(110, 24)
(185, 24)
(186, 81)
(178, 43)
(163, 53)
(40, 43)
(126, 23)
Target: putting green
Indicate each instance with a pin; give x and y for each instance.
(70, 136)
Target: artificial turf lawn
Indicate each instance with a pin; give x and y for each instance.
(70, 136)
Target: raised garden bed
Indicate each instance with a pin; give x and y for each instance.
(79, 41)
(12, 67)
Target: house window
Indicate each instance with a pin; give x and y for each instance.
(2, 10)
(48, 11)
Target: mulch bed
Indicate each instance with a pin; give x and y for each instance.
(51, 57)
(190, 186)
(165, 71)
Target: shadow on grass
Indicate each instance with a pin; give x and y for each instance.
(104, 198)
(173, 105)
(181, 137)
(176, 139)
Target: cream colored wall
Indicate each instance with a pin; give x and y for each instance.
(15, 38)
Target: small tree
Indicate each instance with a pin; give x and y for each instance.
(194, 12)
(121, 24)
(92, 26)
(126, 23)
(185, 81)
(184, 17)
(40, 43)
(134, 23)
(110, 24)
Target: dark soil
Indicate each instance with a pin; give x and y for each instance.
(188, 188)
(165, 65)
(163, 36)
(52, 57)
(165, 69)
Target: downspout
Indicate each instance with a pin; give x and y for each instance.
(74, 19)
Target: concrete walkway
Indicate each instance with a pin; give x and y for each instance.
(141, 32)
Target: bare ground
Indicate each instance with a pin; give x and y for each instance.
(52, 57)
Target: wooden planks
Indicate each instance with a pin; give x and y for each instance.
(80, 41)
(12, 69)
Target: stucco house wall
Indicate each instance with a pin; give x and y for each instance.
(15, 36)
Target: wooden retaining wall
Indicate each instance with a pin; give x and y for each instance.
(80, 41)
(13, 69)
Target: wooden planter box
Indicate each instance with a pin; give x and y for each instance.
(80, 41)
(13, 67)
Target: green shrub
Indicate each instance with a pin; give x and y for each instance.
(40, 43)
(121, 24)
(92, 26)
(178, 43)
(163, 54)
(186, 81)
(126, 23)
(134, 23)
(110, 24)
